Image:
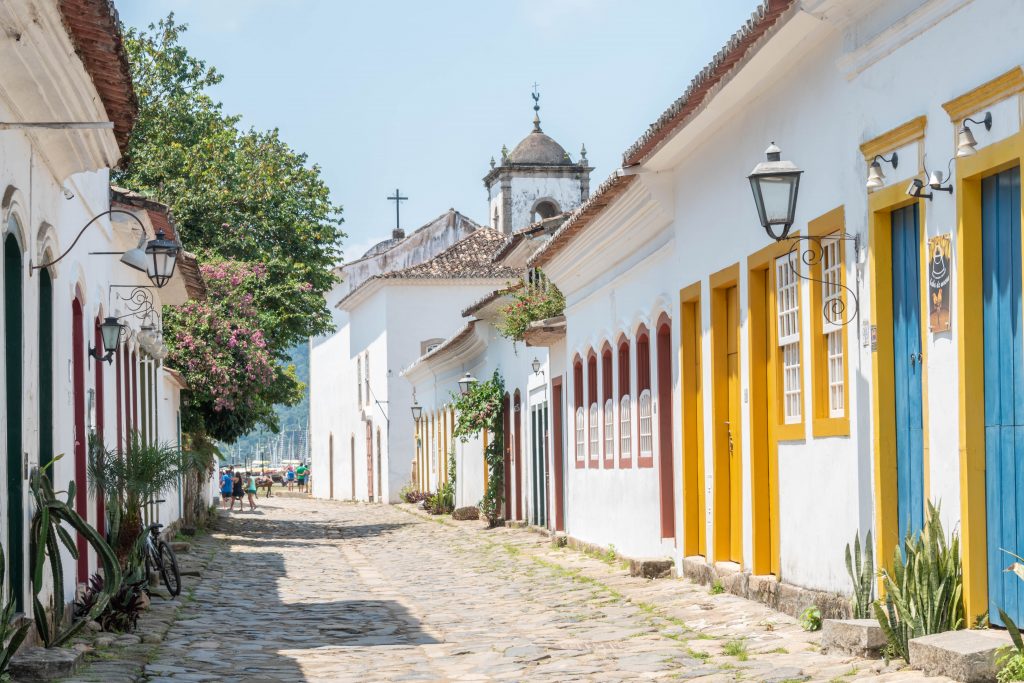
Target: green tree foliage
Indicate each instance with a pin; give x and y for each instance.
(479, 409)
(240, 199)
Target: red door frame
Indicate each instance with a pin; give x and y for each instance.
(506, 445)
(78, 382)
(666, 477)
(517, 410)
(101, 511)
(557, 452)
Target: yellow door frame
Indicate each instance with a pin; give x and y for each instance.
(765, 427)
(971, 361)
(720, 283)
(692, 412)
(881, 204)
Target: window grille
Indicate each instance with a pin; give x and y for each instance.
(609, 428)
(646, 424)
(787, 302)
(625, 435)
(832, 313)
(580, 439)
(593, 431)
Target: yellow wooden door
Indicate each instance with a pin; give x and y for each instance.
(735, 452)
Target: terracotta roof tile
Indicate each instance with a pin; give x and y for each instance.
(94, 29)
(720, 66)
(470, 257)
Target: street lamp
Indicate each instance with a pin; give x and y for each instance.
(775, 184)
(467, 382)
(535, 365)
(162, 255)
(417, 411)
(111, 331)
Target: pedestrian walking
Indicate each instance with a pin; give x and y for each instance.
(226, 487)
(250, 489)
(236, 491)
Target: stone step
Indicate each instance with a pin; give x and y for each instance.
(650, 568)
(967, 656)
(45, 664)
(857, 637)
(181, 546)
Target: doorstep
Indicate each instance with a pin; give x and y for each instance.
(857, 637)
(968, 656)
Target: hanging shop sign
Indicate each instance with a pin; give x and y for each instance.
(939, 251)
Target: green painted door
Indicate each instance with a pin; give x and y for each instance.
(15, 476)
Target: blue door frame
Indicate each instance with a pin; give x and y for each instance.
(906, 312)
(1004, 392)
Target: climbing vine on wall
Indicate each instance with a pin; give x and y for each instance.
(477, 410)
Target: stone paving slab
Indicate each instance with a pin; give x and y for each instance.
(308, 590)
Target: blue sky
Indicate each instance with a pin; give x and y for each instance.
(419, 95)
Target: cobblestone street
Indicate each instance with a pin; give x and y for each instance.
(313, 590)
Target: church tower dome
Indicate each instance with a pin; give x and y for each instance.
(536, 180)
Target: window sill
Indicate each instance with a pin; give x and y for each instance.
(831, 426)
(645, 461)
(790, 432)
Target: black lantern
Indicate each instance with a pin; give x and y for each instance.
(161, 257)
(467, 382)
(775, 184)
(111, 331)
(535, 365)
(417, 411)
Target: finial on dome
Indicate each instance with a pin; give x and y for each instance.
(583, 154)
(536, 108)
(504, 154)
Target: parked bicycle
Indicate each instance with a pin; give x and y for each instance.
(160, 558)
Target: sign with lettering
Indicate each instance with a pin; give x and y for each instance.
(939, 253)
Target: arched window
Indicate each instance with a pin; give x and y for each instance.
(644, 400)
(546, 208)
(625, 407)
(577, 386)
(594, 450)
(609, 406)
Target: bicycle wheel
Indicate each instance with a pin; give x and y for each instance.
(169, 571)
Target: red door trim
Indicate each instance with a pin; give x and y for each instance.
(665, 473)
(557, 452)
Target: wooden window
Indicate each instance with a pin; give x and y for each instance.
(595, 446)
(625, 407)
(577, 387)
(787, 304)
(645, 457)
(646, 426)
(829, 315)
(359, 378)
(608, 422)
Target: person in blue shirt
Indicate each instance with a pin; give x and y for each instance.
(226, 486)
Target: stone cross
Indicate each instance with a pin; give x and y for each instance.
(397, 199)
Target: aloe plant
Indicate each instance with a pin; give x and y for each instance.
(861, 568)
(924, 589)
(11, 636)
(47, 534)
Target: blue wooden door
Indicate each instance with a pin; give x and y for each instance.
(906, 313)
(1004, 394)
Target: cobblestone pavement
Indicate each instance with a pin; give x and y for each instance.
(306, 590)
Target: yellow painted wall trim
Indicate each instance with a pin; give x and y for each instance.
(986, 94)
(823, 424)
(692, 411)
(971, 360)
(894, 139)
(881, 204)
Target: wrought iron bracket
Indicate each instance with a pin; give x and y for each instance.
(809, 250)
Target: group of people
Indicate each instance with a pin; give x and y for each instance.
(236, 486)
